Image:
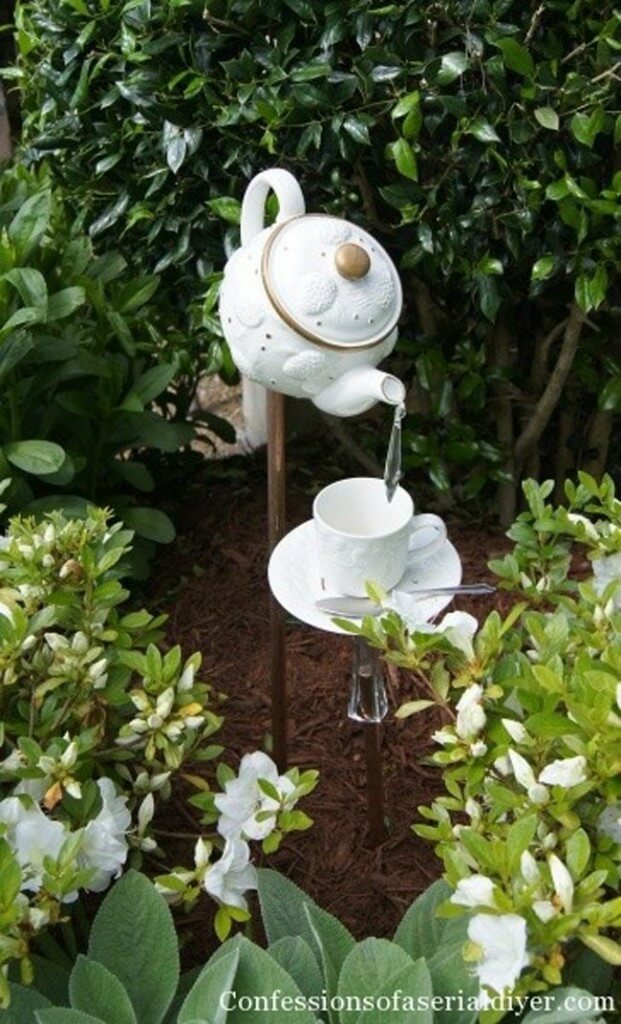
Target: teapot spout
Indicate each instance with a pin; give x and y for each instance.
(357, 390)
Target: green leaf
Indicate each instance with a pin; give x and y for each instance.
(489, 296)
(357, 129)
(412, 707)
(405, 159)
(65, 302)
(297, 958)
(61, 1015)
(282, 907)
(30, 284)
(578, 853)
(375, 967)
(226, 207)
(133, 935)
(216, 977)
(30, 224)
(586, 127)
(483, 130)
(24, 1004)
(516, 57)
(610, 397)
(519, 837)
(547, 118)
(452, 976)
(542, 268)
(407, 103)
(36, 457)
(13, 350)
(421, 932)
(259, 976)
(95, 990)
(452, 66)
(333, 943)
(560, 999)
(136, 294)
(150, 523)
(153, 382)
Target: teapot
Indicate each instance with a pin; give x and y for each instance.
(309, 306)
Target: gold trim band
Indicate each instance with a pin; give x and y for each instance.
(286, 316)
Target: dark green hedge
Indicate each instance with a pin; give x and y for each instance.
(478, 138)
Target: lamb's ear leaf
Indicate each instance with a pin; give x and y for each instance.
(282, 907)
(61, 1015)
(561, 999)
(23, 1006)
(296, 956)
(216, 978)
(133, 935)
(94, 989)
(421, 932)
(334, 943)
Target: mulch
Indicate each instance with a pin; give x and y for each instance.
(213, 584)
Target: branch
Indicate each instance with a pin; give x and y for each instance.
(553, 390)
(541, 356)
(534, 23)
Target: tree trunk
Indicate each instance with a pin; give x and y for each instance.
(499, 350)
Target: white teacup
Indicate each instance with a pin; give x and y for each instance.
(362, 536)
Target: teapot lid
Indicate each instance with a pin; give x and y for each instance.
(331, 281)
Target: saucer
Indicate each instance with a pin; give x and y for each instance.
(293, 575)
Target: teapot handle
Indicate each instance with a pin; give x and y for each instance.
(290, 200)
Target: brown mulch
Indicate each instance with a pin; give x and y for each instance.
(213, 584)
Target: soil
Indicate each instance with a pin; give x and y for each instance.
(213, 584)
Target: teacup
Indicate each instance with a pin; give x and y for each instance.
(362, 536)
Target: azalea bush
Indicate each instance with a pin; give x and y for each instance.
(529, 829)
(97, 720)
(312, 971)
(479, 142)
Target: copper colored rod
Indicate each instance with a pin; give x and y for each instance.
(276, 530)
(375, 783)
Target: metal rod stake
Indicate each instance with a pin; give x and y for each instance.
(276, 530)
(368, 704)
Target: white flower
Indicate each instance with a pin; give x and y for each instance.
(589, 527)
(502, 940)
(516, 730)
(459, 627)
(609, 822)
(475, 891)
(545, 910)
(563, 882)
(478, 749)
(538, 795)
(568, 772)
(186, 680)
(444, 738)
(470, 714)
(503, 765)
(32, 836)
(606, 570)
(232, 876)
(243, 799)
(104, 846)
(522, 770)
(528, 868)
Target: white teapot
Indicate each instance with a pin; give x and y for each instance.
(309, 306)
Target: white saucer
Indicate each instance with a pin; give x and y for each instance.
(293, 576)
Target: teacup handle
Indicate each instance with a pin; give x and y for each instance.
(427, 521)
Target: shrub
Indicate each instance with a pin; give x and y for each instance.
(530, 828)
(479, 141)
(81, 362)
(96, 722)
(131, 972)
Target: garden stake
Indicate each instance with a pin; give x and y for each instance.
(368, 704)
(276, 511)
(288, 314)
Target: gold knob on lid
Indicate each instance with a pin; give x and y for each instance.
(352, 261)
